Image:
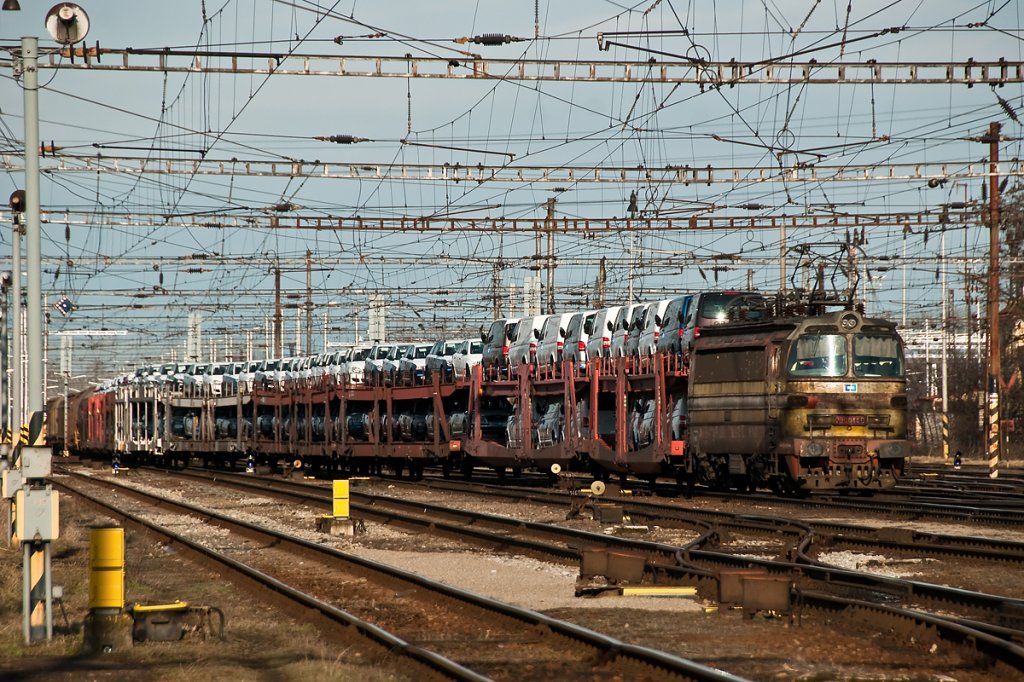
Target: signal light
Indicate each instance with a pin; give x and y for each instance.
(800, 400)
(17, 199)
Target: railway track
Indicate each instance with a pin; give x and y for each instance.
(437, 627)
(827, 534)
(937, 482)
(888, 602)
(933, 501)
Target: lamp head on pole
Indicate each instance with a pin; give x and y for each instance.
(67, 23)
(11, 6)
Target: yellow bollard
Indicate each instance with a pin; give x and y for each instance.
(107, 627)
(339, 522)
(106, 568)
(341, 503)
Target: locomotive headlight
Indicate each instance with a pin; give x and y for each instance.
(891, 450)
(814, 449)
(848, 321)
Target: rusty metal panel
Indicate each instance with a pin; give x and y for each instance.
(593, 562)
(730, 583)
(730, 364)
(613, 565)
(625, 567)
(607, 513)
(766, 593)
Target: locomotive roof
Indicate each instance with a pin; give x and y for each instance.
(835, 322)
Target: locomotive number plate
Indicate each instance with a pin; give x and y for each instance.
(849, 420)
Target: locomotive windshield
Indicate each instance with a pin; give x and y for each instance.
(818, 355)
(825, 355)
(876, 355)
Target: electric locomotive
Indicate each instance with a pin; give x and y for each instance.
(802, 403)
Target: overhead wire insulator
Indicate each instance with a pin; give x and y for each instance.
(1007, 108)
(341, 139)
(489, 39)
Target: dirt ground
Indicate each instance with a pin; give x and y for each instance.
(260, 642)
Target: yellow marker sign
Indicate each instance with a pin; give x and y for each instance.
(654, 591)
(341, 503)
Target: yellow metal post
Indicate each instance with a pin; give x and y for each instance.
(107, 627)
(341, 499)
(106, 568)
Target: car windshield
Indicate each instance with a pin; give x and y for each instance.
(421, 352)
(496, 329)
(716, 307)
(476, 347)
(818, 355)
(877, 355)
(450, 347)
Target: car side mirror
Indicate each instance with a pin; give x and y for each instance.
(657, 320)
(536, 334)
(561, 331)
(588, 326)
(611, 326)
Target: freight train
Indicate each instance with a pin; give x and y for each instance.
(785, 402)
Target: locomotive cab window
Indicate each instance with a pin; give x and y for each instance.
(876, 355)
(818, 355)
